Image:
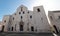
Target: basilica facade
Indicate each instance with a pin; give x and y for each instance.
(24, 20)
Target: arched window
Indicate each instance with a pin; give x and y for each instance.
(38, 10)
(23, 12)
(30, 16)
(55, 28)
(21, 17)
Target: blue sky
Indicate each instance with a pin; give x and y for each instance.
(8, 7)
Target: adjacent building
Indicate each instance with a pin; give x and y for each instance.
(24, 20)
(54, 17)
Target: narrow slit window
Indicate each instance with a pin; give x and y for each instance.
(51, 17)
(13, 18)
(19, 12)
(21, 17)
(58, 17)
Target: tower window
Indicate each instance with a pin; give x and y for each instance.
(31, 16)
(19, 12)
(21, 17)
(4, 20)
(38, 10)
(23, 12)
(58, 17)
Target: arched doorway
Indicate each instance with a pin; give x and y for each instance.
(12, 29)
(21, 25)
(32, 28)
(2, 28)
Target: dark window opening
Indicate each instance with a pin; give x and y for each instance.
(59, 17)
(32, 28)
(28, 12)
(4, 20)
(2, 29)
(23, 12)
(55, 28)
(15, 13)
(41, 18)
(51, 17)
(38, 10)
(19, 12)
(21, 17)
(13, 18)
(31, 16)
(12, 29)
(21, 27)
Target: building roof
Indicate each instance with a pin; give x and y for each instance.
(55, 11)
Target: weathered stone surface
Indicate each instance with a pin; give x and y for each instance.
(24, 34)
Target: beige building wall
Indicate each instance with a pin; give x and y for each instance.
(41, 19)
(54, 17)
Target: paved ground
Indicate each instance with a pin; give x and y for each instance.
(24, 34)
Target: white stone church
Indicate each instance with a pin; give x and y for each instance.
(24, 20)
